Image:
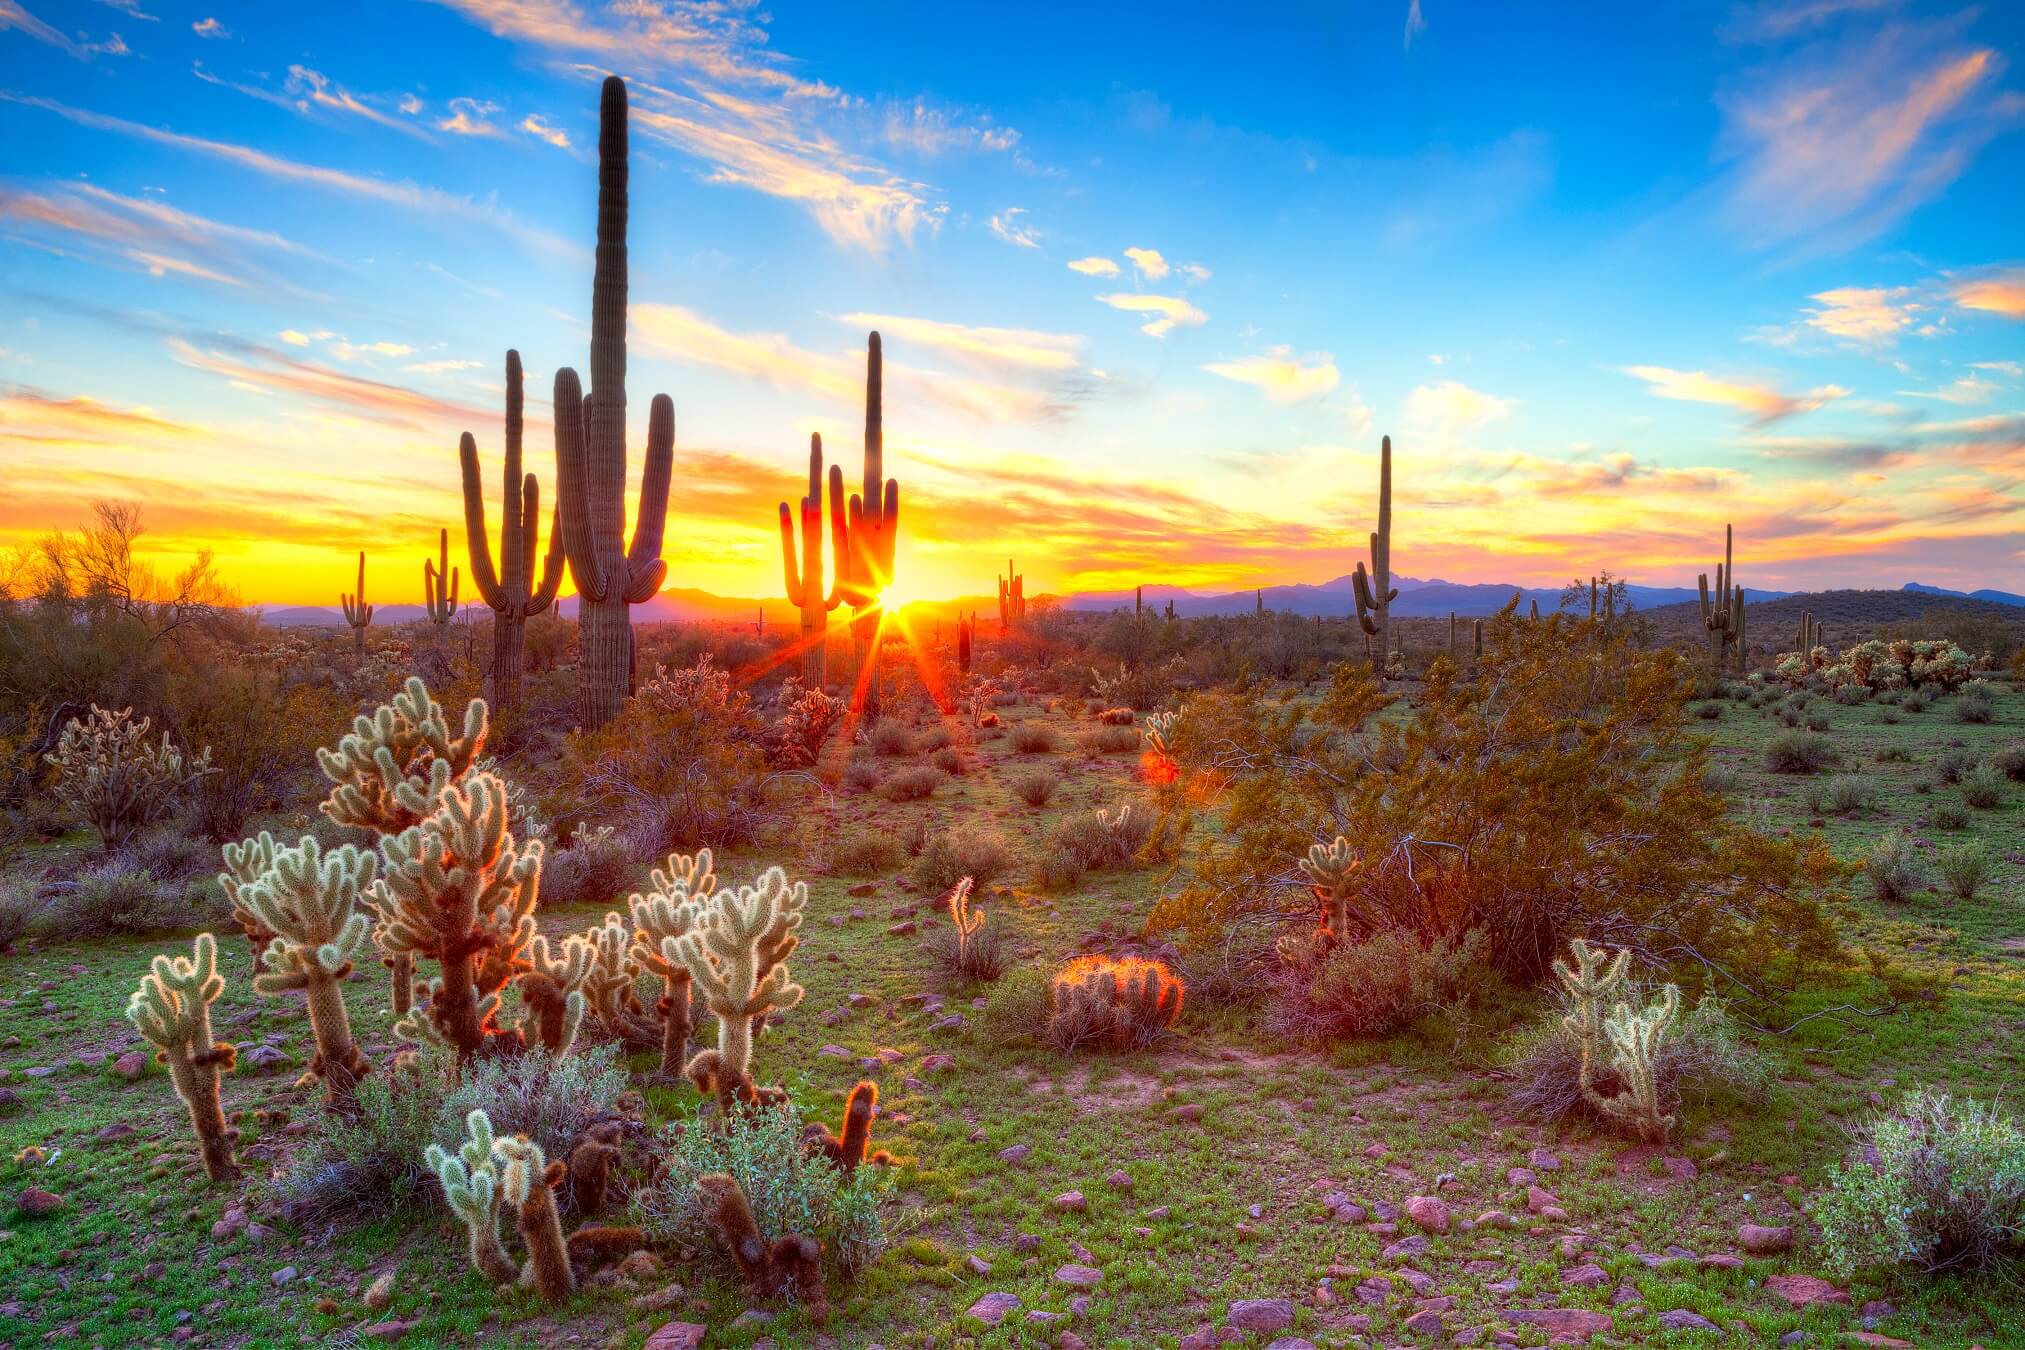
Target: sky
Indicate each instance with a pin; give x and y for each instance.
(1152, 283)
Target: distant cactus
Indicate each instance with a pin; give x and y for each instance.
(805, 583)
(1012, 599)
(512, 592)
(439, 584)
(968, 920)
(108, 772)
(590, 452)
(526, 1181)
(308, 900)
(358, 613)
(1374, 590)
(871, 533)
(736, 953)
(1723, 613)
(470, 1181)
(966, 638)
(172, 1008)
(661, 918)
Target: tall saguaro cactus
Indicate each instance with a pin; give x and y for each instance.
(590, 457)
(1012, 598)
(1723, 614)
(805, 585)
(358, 613)
(439, 583)
(512, 591)
(872, 530)
(1375, 591)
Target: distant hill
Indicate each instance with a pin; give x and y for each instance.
(1417, 598)
(1995, 597)
(1845, 616)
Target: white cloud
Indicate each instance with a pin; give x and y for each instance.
(294, 338)
(1450, 406)
(1149, 262)
(1968, 389)
(1094, 267)
(467, 118)
(1764, 403)
(1283, 377)
(1871, 316)
(1194, 273)
(210, 28)
(1007, 227)
(1169, 311)
(535, 125)
(1415, 24)
(2012, 368)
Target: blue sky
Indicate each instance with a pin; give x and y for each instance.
(1152, 283)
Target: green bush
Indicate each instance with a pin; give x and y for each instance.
(862, 771)
(1983, 787)
(1033, 738)
(950, 760)
(892, 738)
(113, 898)
(975, 851)
(1936, 1184)
(1974, 704)
(912, 784)
(936, 737)
(1709, 711)
(1035, 787)
(1964, 868)
(1954, 764)
(864, 853)
(595, 868)
(1894, 867)
(1380, 985)
(1799, 752)
(1016, 1011)
(1842, 793)
(791, 1190)
(1950, 816)
(2010, 761)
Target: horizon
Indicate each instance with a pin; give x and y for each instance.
(261, 270)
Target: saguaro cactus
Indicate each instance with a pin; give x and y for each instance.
(1012, 598)
(590, 456)
(470, 1181)
(1374, 590)
(358, 613)
(1810, 637)
(736, 953)
(172, 1008)
(871, 531)
(805, 584)
(966, 635)
(512, 591)
(1723, 615)
(309, 901)
(439, 583)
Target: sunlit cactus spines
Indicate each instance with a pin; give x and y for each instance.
(871, 532)
(512, 591)
(309, 901)
(526, 1181)
(357, 612)
(553, 988)
(736, 953)
(1588, 984)
(968, 919)
(805, 582)
(1636, 1038)
(387, 773)
(172, 1009)
(439, 584)
(119, 781)
(662, 916)
(590, 453)
(470, 1182)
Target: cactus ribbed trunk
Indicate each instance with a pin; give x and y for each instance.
(197, 1085)
(805, 583)
(509, 660)
(1373, 590)
(590, 450)
(870, 532)
(401, 968)
(338, 1061)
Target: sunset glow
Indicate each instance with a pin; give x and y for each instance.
(1147, 304)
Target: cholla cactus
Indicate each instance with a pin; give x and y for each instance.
(1331, 870)
(661, 918)
(470, 1181)
(439, 584)
(1635, 1042)
(172, 1008)
(358, 613)
(526, 1179)
(309, 901)
(112, 775)
(1157, 731)
(1589, 984)
(457, 891)
(736, 953)
(553, 990)
(967, 919)
(389, 770)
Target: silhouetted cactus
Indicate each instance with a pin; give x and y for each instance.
(512, 592)
(1374, 590)
(358, 613)
(590, 453)
(1012, 598)
(871, 532)
(439, 584)
(805, 583)
(172, 1009)
(1723, 614)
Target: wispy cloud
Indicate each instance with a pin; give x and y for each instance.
(468, 118)
(33, 416)
(1284, 377)
(210, 28)
(316, 90)
(1024, 348)
(262, 369)
(14, 16)
(2001, 292)
(1149, 263)
(1870, 316)
(1762, 403)
(1969, 389)
(535, 125)
(1169, 311)
(152, 235)
(927, 130)
(1007, 227)
(1094, 267)
(1415, 25)
(429, 201)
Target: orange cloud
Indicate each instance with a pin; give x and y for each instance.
(1869, 315)
(1999, 293)
(1764, 403)
(263, 369)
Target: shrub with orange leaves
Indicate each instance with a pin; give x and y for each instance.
(1115, 1002)
(1554, 791)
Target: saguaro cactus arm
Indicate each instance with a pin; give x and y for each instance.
(512, 589)
(357, 612)
(439, 583)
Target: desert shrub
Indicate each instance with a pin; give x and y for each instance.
(1033, 738)
(1950, 816)
(950, 760)
(1849, 695)
(862, 771)
(911, 784)
(681, 767)
(1379, 985)
(262, 738)
(981, 956)
(1975, 703)
(1112, 1003)
(1098, 839)
(936, 737)
(864, 853)
(892, 738)
(975, 851)
(1118, 740)
(1791, 715)
(1894, 867)
(117, 780)
(594, 868)
(110, 898)
(552, 1099)
(1963, 868)
(2010, 761)
(1915, 701)
(370, 1161)
(1890, 716)
(1983, 787)
(1840, 793)
(1057, 869)
(1709, 711)
(1017, 1008)
(1702, 1056)
(797, 737)
(1818, 720)
(1953, 765)
(1894, 754)
(170, 854)
(1937, 1183)
(17, 912)
(792, 1191)
(1799, 752)
(914, 835)
(1723, 779)
(1035, 787)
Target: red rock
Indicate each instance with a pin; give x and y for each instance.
(1721, 1261)
(1586, 1276)
(993, 1308)
(37, 1202)
(676, 1336)
(1429, 1212)
(131, 1065)
(1804, 1291)
(1188, 1111)
(1539, 1200)
(1763, 1241)
(1069, 1202)
(1558, 1322)
(1079, 1277)
(1260, 1314)
(395, 1329)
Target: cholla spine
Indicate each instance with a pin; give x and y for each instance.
(526, 1181)
(661, 918)
(736, 953)
(470, 1181)
(1331, 870)
(553, 989)
(358, 613)
(1636, 1038)
(388, 772)
(308, 900)
(172, 1009)
(1589, 984)
(968, 920)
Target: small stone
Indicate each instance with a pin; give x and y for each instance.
(834, 1052)
(676, 1336)
(1120, 1180)
(1291, 1343)
(1520, 1176)
(37, 1202)
(1158, 1213)
(1879, 1339)
(1424, 1323)
(266, 1057)
(1576, 1324)
(992, 1309)
(1494, 1218)
(1543, 1161)
(1878, 1308)
(1721, 1261)
(119, 1129)
(1190, 1111)
(1759, 1240)
(938, 1063)
(379, 1293)
(286, 1275)
(1429, 1212)
(131, 1065)
(905, 929)
(1405, 1249)
(1069, 1202)
(1017, 1153)
(978, 1265)
(953, 1022)
(1376, 1151)
(1539, 1201)
(1804, 1291)
(1586, 1276)
(1681, 1319)
(1260, 1314)
(1079, 1277)
(388, 1331)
